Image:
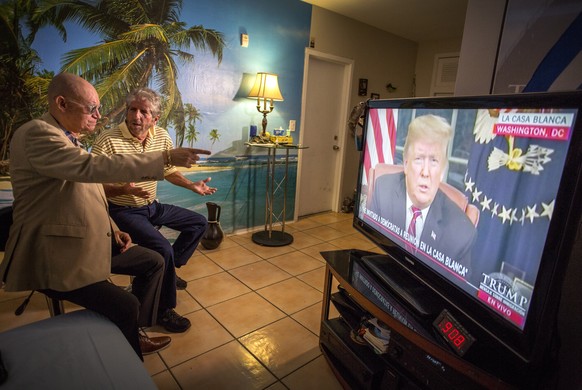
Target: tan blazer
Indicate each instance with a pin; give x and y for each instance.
(62, 234)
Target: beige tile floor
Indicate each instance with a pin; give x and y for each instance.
(255, 312)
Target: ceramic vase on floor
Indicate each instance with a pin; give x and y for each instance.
(214, 234)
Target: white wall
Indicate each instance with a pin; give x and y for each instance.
(378, 56)
(427, 52)
(381, 58)
(479, 47)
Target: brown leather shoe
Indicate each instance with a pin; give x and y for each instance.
(153, 344)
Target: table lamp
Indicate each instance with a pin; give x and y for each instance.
(266, 88)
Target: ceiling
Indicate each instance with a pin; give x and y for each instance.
(417, 20)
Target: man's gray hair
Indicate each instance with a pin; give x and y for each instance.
(145, 94)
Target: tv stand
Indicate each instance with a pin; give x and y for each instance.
(414, 358)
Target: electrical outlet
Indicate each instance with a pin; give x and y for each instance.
(292, 125)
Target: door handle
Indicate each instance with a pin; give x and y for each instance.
(335, 147)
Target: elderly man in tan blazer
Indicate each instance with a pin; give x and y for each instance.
(60, 242)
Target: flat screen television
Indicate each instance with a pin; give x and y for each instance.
(498, 203)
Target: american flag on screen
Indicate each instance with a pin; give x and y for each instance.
(380, 139)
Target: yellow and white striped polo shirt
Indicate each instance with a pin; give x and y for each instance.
(119, 140)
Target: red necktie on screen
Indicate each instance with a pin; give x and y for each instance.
(412, 228)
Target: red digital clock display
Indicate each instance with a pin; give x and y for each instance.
(453, 333)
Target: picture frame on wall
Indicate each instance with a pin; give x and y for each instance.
(363, 87)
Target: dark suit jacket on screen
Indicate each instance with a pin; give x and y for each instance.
(447, 229)
(62, 234)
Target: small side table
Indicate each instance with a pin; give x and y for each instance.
(268, 236)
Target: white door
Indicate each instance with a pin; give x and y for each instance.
(326, 85)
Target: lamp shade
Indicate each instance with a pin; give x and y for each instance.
(266, 86)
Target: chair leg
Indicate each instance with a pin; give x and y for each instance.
(55, 306)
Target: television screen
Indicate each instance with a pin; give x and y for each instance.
(465, 191)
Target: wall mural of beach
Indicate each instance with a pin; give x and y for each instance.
(212, 76)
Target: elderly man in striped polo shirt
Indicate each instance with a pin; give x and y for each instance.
(135, 209)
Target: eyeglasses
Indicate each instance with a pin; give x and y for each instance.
(92, 108)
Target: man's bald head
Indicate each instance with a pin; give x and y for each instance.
(71, 99)
(68, 85)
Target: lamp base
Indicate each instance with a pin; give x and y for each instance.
(264, 123)
(277, 238)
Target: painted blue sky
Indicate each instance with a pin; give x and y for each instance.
(278, 34)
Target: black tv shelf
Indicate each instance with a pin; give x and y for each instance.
(414, 359)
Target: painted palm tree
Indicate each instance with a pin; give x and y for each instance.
(214, 135)
(24, 86)
(191, 134)
(141, 42)
(191, 115)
